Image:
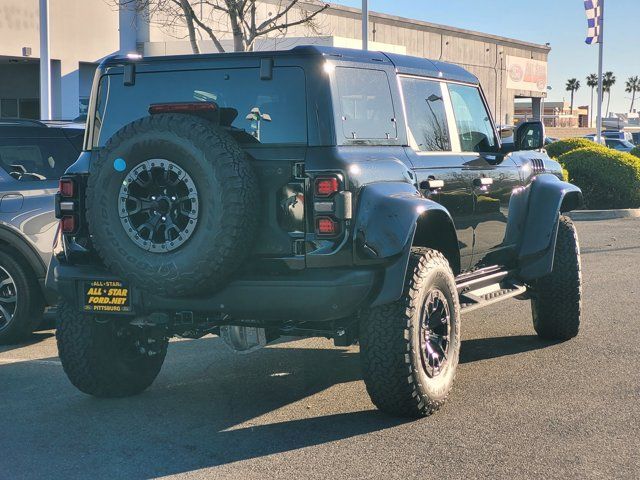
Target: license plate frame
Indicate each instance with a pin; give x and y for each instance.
(106, 297)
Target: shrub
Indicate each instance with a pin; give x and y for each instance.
(608, 178)
(556, 149)
(636, 152)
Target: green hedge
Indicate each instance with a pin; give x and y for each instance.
(636, 152)
(559, 148)
(608, 178)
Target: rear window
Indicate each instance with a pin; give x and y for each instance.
(259, 111)
(36, 159)
(365, 104)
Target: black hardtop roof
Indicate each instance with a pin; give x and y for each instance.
(403, 63)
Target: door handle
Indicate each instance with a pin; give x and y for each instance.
(432, 184)
(482, 182)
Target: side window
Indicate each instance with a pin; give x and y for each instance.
(472, 119)
(366, 107)
(426, 115)
(45, 160)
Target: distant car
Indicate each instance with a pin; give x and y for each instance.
(618, 134)
(592, 137)
(620, 145)
(33, 156)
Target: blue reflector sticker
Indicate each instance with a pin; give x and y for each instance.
(119, 164)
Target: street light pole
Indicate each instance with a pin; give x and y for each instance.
(600, 86)
(45, 62)
(365, 25)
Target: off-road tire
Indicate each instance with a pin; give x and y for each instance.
(390, 346)
(29, 301)
(556, 298)
(227, 190)
(91, 357)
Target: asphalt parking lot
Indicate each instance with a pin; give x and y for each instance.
(521, 407)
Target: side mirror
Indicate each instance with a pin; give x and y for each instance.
(529, 136)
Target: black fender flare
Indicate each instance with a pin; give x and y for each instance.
(390, 217)
(15, 241)
(534, 212)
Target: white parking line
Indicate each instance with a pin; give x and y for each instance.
(23, 360)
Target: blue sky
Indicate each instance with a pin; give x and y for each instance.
(560, 22)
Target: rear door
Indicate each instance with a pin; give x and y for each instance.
(491, 175)
(434, 153)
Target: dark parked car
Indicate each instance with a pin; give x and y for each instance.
(620, 145)
(358, 196)
(33, 156)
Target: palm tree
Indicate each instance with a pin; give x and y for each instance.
(633, 86)
(592, 83)
(573, 85)
(608, 81)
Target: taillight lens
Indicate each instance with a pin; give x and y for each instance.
(326, 226)
(67, 187)
(325, 187)
(68, 224)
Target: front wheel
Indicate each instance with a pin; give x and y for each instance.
(410, 348)
(110, 357)
(556, 298)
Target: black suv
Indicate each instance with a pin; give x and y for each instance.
(358, 196)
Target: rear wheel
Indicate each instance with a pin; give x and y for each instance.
(556, 299)
(21, 301)
(410, 348)
(108, 358)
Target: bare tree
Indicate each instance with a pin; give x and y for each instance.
(206, 17)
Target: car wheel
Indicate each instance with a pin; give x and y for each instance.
(108, 357)
(21, 301)
(410, 348)
(556, 299)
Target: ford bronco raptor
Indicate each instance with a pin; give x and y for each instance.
(358, 196)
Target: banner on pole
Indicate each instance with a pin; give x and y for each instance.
(594, 21)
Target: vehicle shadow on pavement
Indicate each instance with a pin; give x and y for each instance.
(209, 407)
(478, 349)
(32, 340)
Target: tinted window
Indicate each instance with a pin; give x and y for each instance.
(426, 114)
(472, 119)
(365, 104)
(41, 159)
(260, 111)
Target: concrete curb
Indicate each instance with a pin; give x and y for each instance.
(589, 215)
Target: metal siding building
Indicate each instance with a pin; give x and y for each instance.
(85, 31)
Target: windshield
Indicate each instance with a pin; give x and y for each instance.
(257, 111)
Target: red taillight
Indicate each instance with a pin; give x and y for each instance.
(326, 226)
(67, 187)
(326, 186)
(68, 224)
(183, 107)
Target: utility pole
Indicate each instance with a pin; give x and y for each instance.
(45, 62)
(365, 24)
(600, 92)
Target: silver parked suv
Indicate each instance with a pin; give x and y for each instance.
(33, 156)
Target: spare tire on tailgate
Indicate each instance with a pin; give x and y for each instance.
(171, 204)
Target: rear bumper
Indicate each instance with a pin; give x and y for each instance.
(311, 295)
